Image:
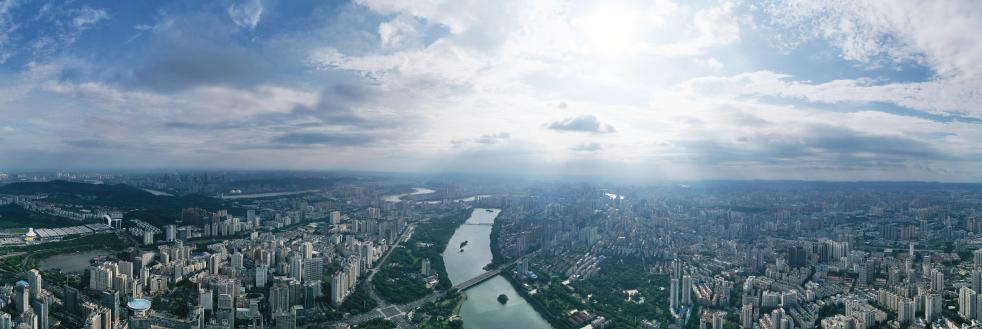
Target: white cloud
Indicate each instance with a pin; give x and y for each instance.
(939, 33)
(399, 32)
(87, 16)
(246, 14)
(709, 63)
(944, 96)
(712, 27)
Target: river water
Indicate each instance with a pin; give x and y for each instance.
(482, 310)
(72, 262)
(398, 197)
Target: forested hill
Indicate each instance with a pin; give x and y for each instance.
(60, 187)
(134, 201)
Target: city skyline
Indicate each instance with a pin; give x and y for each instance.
(630, 90)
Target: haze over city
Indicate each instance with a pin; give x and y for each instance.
(489, 164)
(640, 90)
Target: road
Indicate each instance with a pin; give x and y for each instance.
(397, 313)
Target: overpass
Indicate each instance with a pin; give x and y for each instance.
(480, 278)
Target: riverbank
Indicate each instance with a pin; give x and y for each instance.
(481, 308)
(398, 281)
(398, 197)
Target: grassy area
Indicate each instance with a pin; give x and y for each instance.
(440, 314)
(359, 301)
(554, 300)
(398, 280)
(23, 258)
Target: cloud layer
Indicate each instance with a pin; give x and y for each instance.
(801, 89)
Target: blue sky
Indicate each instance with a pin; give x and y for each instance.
(640, 90)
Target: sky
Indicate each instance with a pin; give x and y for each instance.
(639, 90)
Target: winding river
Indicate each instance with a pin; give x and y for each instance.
(482, 310)
(398, 197)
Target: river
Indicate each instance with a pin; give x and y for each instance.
(261, 195)
(71, 262)
(482, 310)
(398, 197)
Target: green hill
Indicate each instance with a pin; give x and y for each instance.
(137, 203)
(12, 215)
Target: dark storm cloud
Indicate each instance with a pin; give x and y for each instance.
(583, 123)
(180, 65)
(333, 139)
(817, 144)
(338, 105)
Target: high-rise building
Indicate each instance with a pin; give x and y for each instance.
(367, 252)
(214, 262)
(70, 300)
(171, 233)
(261, 272)
(905, 311)
(976, 279)
(425, 267)
(937, 280)
(978, 258)
(206, 299)
(279, 297)
(125, 268)
(339, 288)
(34, 279)
(777, 316)
(311, 292)
(41, 305)
(147, 237)
(236, 261)
(686, 290)
(966, 303)
(110, 300)
(286, 319)
(100, 278)
(5, 321)
(307, 249)
(22, 296)
(673, 296)
(296, 267)
(718, 320)
(932, 306)
(313, 269)
(747, 316)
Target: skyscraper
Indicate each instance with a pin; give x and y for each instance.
(966, 303)
(34, 279)
(673, 296)
(279, 297)
(313, 269)
(777, 316)
(686, 290)
(747, 316)
(171, 233)
(932, 306)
